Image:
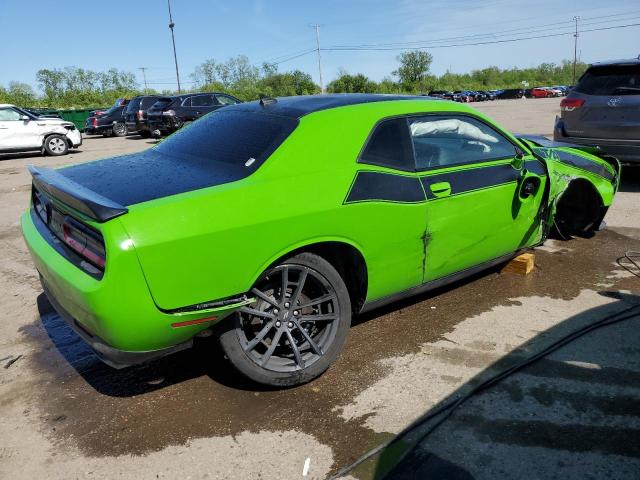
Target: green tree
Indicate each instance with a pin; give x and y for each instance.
(413, 69)
(346, 83)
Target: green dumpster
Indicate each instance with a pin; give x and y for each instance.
(77, 116)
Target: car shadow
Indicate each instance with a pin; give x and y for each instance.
(490, 432)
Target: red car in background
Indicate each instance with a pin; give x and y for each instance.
(541, 92)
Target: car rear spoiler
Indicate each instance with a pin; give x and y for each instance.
(74, 195)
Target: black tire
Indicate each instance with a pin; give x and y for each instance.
(145, 133)
(119, 129)
(56, 145)
(286, 314)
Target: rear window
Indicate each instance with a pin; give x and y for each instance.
(240, 139)
(162, 102)
(146, 102)
(611, 80)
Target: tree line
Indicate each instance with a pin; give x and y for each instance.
(73, 87)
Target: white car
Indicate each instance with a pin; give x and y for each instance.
(21, 131)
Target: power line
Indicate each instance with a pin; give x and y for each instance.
(502, 33)
(509, 40)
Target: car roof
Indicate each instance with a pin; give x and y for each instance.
(6, 105)
(301, 105)
(630, 61)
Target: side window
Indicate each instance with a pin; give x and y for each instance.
(389, 146)
(226, 100)
(186, 102)
(202, 101)
(8, 114)
(440, 141)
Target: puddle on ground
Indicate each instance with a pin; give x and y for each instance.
(196, 394)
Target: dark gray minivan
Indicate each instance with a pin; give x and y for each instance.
(604, 110)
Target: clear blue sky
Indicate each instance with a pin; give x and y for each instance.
(99, 35)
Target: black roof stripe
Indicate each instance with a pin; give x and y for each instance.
(302, 105)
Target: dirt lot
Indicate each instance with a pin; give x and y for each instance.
(63, 414)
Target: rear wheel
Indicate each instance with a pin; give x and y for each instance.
(120, 129)
(145, 133)
(297, 326)
(56, 145)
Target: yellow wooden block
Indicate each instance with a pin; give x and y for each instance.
(522, 264)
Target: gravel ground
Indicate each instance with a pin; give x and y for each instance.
(574, 415)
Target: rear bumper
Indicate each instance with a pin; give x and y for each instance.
(113, 357)
(626, 151)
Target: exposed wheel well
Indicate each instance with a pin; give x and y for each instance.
(579, 210)
(349, 263)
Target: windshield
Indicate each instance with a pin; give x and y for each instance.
(611, 80)
(231, 138)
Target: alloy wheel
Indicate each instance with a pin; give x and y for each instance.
(293, 322)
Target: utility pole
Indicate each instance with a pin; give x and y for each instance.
(173, 39)
(575, 49)
(317, 27)
(144, 76)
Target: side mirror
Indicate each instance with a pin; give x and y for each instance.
(518, 160)
(25, 118)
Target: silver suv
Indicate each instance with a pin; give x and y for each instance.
(604, 110)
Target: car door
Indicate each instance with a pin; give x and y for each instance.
(483, 192)
(16, 132)
(202, 104)
(387, 197)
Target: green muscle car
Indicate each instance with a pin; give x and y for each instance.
(271, 223)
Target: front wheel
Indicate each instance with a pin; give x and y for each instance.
(296, 327)
(56, 145)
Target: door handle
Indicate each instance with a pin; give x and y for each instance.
(440, 189)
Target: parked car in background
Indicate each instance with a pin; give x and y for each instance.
(488, 94)
(21, 131)
(444, 94)
(603, 109)
(464, 96)
(120, 102)
(562, 89)
(479, 96)
(209, 232)
(510, 93)
(168, 114)
(135, 115)
(109, 123)
(541, 92)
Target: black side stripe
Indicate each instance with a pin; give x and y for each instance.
(385, 187)
(536, 166)
(584, 164)
(466, 180)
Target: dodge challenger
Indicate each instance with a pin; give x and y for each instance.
(271, 223)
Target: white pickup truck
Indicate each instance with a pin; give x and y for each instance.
(22, 131)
